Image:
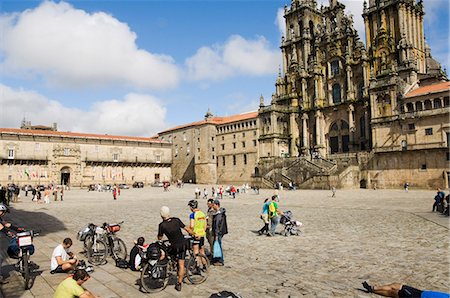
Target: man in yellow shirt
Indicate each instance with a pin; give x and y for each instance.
(71, 286)
(198, 225)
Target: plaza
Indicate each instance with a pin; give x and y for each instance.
(379, 235)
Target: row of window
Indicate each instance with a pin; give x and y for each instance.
(235, 146)
(237, 126)
(428, 104)
(234, 159)
(428, 131)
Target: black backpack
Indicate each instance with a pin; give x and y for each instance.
(121, 263)
(225, 294)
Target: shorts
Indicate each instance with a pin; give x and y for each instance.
(58, 270)
(178, 253)
(200, 242)
(409, 292)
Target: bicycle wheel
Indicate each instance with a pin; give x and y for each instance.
(97, 253)
(119, 250)
(87, 243)
(197, 269)
(149, 283)
(26, 270)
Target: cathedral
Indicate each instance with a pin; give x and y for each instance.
(340, 103)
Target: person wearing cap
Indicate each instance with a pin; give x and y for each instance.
(220, 229)
(198, 225)
(171, 227)
(71, 286)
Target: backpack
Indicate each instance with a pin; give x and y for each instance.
(225, 294)
(272, 210)
(121, 263)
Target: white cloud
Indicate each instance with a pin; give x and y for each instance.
(134, 115)
(236, 56)
(280, 22)
(69, 47)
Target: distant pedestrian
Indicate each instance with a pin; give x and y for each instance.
(62, 193)
(115, 192)
(333, 192)
(47, 195)
(406, 186)
(55, 194)
(205, 193)
(274, 216)
(265, 217)
(197, 193)
(26, 190)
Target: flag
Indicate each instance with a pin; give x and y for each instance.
(27, 173)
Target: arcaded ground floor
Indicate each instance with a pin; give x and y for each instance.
(377, 235)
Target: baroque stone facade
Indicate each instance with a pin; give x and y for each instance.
(30, 156)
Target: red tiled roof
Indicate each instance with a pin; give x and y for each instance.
(69, 134)
(216, 120)
(435, 88)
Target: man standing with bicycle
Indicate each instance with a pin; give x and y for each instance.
(198, 226)
(171, 227)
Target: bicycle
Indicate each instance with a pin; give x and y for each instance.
(104, 242)
(160, 266)
(21, 247)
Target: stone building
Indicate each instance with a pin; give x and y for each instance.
(348, 114)
(215, 150)
(34, 156)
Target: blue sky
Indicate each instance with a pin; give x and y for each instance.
(138, 67)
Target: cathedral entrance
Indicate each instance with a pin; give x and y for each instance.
(338, 137)
(65, 176)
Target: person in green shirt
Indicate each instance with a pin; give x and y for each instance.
(274, 215)
(71, 286)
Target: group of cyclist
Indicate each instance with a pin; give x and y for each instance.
(172, 228)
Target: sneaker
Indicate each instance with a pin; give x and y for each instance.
(217, 264)
(53, 272)
(368, 287)
(89, 269)
(178, 286)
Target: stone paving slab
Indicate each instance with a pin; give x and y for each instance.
(381, 236)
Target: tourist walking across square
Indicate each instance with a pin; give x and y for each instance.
(274, 216)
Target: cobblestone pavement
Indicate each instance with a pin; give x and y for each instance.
(381, 236)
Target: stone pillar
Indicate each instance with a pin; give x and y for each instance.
(285, 63)
(316, 91)
(305, 94)
(401, 19)
(318, 129)
(365, 78)
(367, 122)
(305, 132)
(367, 26)
(351, 126)
(294, 134)
(349, 83)
(273, 120)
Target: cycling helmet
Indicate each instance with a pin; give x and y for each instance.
(3, 208)
(193, 204)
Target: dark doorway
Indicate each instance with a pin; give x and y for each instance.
(345, 141)
(363, 183)
(65, 176)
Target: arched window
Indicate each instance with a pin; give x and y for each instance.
(344, 125)
(428, 105)
(336, 93)
(437, 103)
(419, 106)
(410, 107)
(334, 67)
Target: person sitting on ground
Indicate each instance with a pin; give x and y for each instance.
(62, 259)
(71, 286)
(171, 227)
(398, 290)
(135, 257)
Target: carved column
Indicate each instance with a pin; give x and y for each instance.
(365, 78)
(294, 134)
(305, 94)
(349, 83)
(318, 129)
(305, 132)
(368, 33)
(351, 126)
